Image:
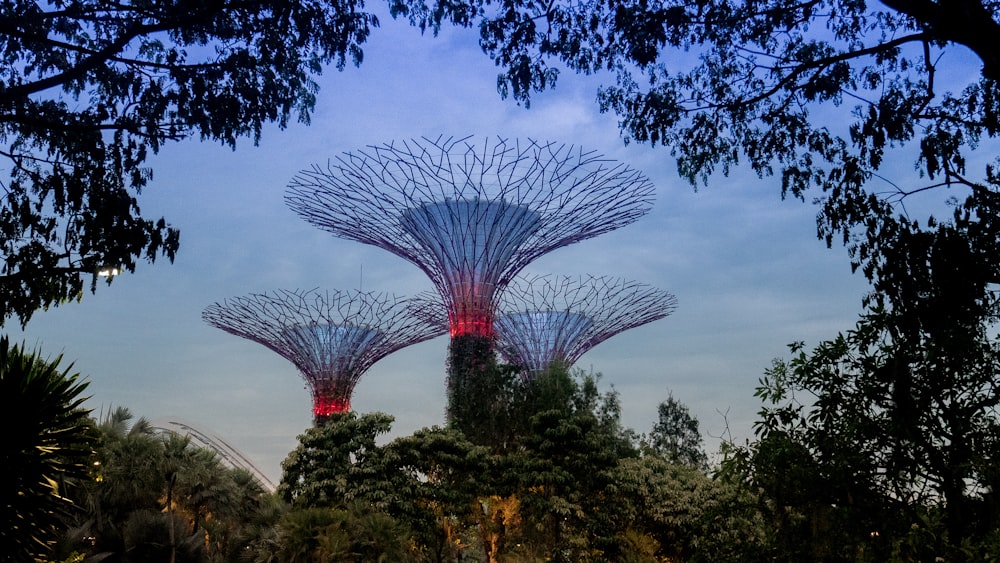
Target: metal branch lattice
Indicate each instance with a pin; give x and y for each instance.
(332, 337)
(542, 319)
(559, 318)
(470, 215)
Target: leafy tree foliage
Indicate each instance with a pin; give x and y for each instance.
(892, 427)
(687, 515)
(47, 445)
(240, 517)
(565, 469)
(828, 97)
(818, 93)
(675, 435)
(440, 478)
(340, 536)
(337, 462)
(565, 482)
(570, 485)
(482, 394)
(158, 498)
(90, 89)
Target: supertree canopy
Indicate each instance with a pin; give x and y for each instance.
(332, 337)
(543, 319)
(470, 214)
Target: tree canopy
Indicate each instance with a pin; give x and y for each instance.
(896, 421)
(565, 481)
(675, 435)
(90, 89)
(817, 93)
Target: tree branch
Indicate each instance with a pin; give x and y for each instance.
(963, 22)
(802, 68)
(100, 56)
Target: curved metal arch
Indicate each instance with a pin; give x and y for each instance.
(203, 438)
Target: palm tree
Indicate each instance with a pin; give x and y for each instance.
(240, 515)
(123, 498)
(161, 498)
(47, 444)
(176, 452)
(197, 487)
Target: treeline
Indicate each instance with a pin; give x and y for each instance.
(834, 474)
(561, 481)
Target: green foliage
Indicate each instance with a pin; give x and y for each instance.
(337, 462)
(146, 537)
(896, 428)
(128, 478)
(91, 89)
(564, 470)
(879, 444)
(158, 498)
(553, 488)
(481, 392)
(570, 485)
(340, 535)
(440, 477)
(689, 515)
(676, 437)
(883, 439)
(252, 535)
(817, 94)
(47, 446)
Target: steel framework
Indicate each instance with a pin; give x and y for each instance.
(470, 214)
(332, 337)
(543, 319)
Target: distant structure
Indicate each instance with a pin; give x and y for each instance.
(202, 438)
(471, 215)
(332, 338)
(544, 319)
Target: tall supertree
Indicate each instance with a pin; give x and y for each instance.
(332, 337)
(471, 215)
(544, 319)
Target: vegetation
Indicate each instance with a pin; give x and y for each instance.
(568, 483)
(90, 89)
(675, 436)
(821, 94)
(564, 482)
(891, 429)
(155, 497)
(475, 380)
(46, 448)
(880, 444)
(846, 467)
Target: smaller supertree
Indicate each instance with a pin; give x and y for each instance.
(333, 338)
(544, 319)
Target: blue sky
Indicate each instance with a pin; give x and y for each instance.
(749, 274)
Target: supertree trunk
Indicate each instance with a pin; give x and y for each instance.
(480, 392)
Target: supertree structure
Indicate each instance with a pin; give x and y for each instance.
(332, 337)
(471, 215)
(544, 319)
